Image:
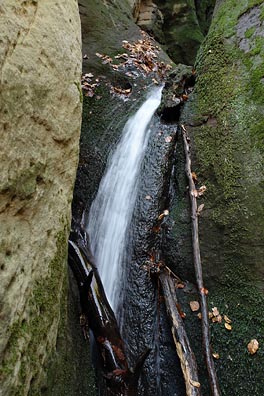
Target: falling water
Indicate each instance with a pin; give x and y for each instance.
(112, 209)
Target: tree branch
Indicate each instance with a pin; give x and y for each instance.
(198, 270)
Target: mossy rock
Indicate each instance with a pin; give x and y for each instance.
(224, 118)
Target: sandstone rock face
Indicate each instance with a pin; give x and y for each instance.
(178, 25)
(40, 115)
(150, 18)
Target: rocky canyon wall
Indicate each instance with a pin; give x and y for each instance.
(40, 116)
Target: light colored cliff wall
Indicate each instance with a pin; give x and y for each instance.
(40, 116)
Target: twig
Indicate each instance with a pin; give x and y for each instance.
(198, 270)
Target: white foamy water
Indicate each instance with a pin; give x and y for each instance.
(111, 211)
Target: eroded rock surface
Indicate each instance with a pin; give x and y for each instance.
(40, 115)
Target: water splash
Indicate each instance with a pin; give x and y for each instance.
(112, 209)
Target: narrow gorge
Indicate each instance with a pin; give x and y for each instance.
(97, 99)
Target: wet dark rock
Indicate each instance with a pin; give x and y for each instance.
(179, 84)
(144, 318)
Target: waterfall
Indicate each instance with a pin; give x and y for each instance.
(111, 211)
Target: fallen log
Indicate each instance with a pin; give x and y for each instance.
(168, 281)
(193, 193)
(98, 315)
(183, 348)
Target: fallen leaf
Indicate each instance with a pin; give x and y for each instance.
(168, 139)
(182, 314)
(227, 320)
(180, 285)
(199, 315)
(194, 176)
(156, 229)
(194, 305)
(215, 311)
(216, 356)
(161, 216)
(185, 97)
(196, 384)
(118, 372)
(210, 315)
(253, 346)
(228, 326)
(148, 197)
(201, 190)
(203, 290)
(200, 208)
(217, 319)
(88, 75)
(166, 212)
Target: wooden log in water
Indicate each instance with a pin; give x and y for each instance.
(98, 314)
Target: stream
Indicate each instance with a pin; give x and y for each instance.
(111, 211)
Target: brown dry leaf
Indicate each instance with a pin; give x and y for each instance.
(227, 320)
(118, 372)
(161, 216)
(122, 56)
(217, 319)
(185, 97)
(200, 208)
(205, 291)
(210, 315)
(194, 176)
(228, 326)
(180, 285)
(194, 193)
(88, 75)
(199, 315)
(253, 346)
(196, 384)
(194, 305)
(182, 314)
(216, 356)
(215, 311)
(168, 139)
(201, 190)
(156, 229)
(118, 352)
